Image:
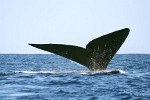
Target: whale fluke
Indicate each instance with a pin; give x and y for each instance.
(96, 55)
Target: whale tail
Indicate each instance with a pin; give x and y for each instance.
(96, 55)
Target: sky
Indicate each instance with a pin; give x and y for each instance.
(74, 22)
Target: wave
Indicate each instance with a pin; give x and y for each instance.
(52, 72)
(82, 72)
(75, 72)
(118, 71)
(6, 73)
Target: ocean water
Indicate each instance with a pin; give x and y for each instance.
(51, 77)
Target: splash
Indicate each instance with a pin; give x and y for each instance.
(122, 71)
(75, 72)
(118, 71)
(52, 72)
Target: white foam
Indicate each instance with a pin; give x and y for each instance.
(108, 72)
(72, 72)
(37, 72)
(51, 72)
(122, 71)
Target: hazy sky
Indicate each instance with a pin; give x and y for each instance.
(72, 22)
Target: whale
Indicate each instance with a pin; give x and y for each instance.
(96, 55)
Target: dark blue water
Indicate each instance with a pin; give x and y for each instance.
(50, 77)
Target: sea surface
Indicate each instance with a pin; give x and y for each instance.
(51, 77)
